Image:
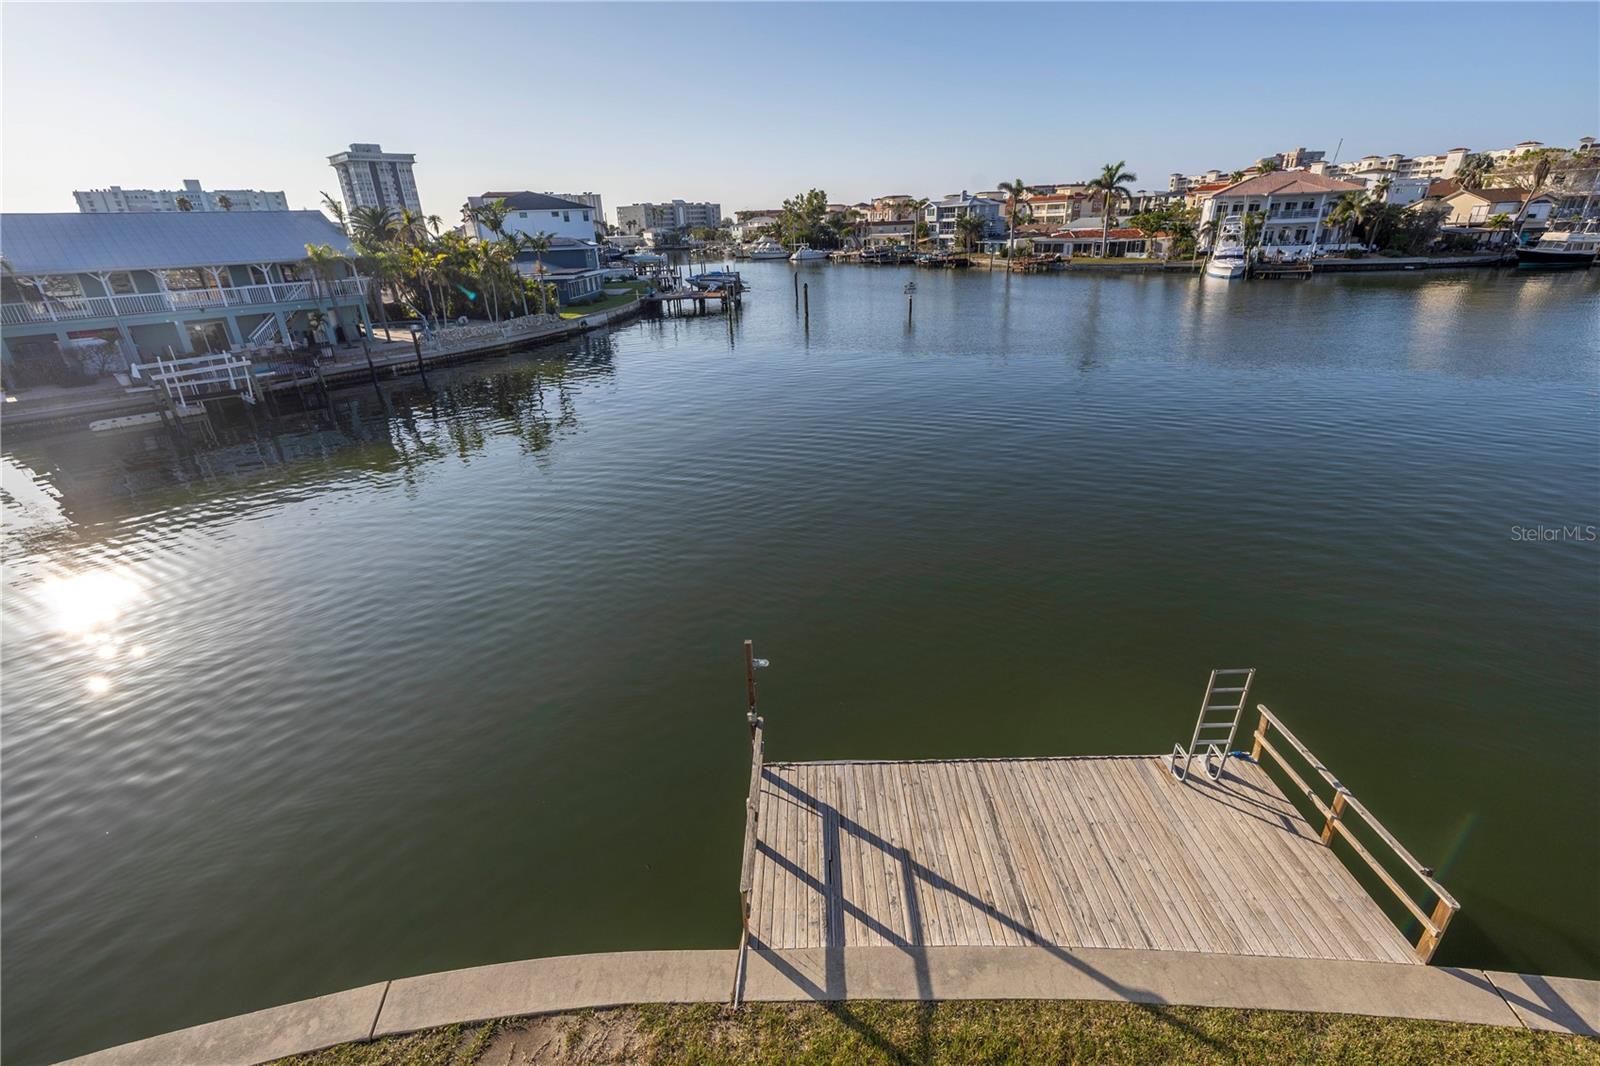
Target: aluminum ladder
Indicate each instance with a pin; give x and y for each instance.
(1208, 742)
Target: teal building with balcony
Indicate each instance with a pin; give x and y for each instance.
(130, 287)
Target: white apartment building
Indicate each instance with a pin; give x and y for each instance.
(116, 200)
(371, 177)
(533, 213)
(677, 215)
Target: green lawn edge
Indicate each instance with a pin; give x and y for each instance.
(959, 1034)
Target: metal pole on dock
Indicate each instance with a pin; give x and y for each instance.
(807, 288)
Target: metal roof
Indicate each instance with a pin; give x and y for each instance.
(529, 201)
(79, 243)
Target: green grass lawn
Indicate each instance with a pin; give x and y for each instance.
(604, 304)
(958, 1034)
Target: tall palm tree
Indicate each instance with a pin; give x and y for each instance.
(1209, 231)
(184, 204)
(969, 229)
(1267, 166)
(1235, 177)
(539, 244)
(1381, 187)
(1373, 213)
(915, 207)
(1113, 183)
(1498, 221)
(323, 263)
(225, 202)
(1345, 212)
(1532, 184)
(1013, 191)
(335, 210)
(374, 227)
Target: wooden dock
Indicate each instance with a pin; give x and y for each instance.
(1091, 852)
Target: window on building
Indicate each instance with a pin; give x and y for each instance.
(555, 214)
(121, 284)
(586, 216)
(566, 216)
(522, 214)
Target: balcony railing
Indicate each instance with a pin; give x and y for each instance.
(175, 301)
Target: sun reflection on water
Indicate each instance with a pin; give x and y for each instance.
(88, 606)
(87, 603)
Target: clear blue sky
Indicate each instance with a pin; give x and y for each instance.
(745, 103)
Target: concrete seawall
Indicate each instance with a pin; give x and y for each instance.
(577, 982)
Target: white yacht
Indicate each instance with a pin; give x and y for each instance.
(767, 248)
(805, 253)
(1227, 258)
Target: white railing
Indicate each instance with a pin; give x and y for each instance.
(66, 308)
(194, 378)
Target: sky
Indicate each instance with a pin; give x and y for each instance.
(745, 104)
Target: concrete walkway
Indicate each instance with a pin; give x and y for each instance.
(576, 982)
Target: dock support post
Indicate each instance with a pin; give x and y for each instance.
(807, 288)
(1261, 734)
(797, 290)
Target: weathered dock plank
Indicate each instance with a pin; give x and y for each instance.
(1102, 852)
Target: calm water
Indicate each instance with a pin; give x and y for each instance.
(452, 677)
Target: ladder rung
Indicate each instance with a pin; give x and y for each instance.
(1221, 708)
(1245, 670)
(1216, 725)
(1227, 690)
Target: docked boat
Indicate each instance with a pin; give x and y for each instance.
(1227, 258)
(805, 253)
(1572, 248)
(767, 248)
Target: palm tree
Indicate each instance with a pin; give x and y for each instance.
(1345, 213)
(915, 208)
(336, 209)
(374, 227)
(1209, 231)
(1373, 213)
(1235, 177)
(184, 203)
(1474, 170)
(1498, 221)
(1381, 187)
(538, 244)
(323, 261)
(1267, 166)
(1532, 184)
(969, 229)
(1013, 190)
(1113, 182)
(225, 202)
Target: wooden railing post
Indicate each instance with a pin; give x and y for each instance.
(1333, 815)
(1261, 734)
(1428, 942)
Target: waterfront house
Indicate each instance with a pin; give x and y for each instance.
(533, 213)
(144, 284)
(574, 267)
(1292, 205)
(1473, 207)
(749, 228)
(941, 216)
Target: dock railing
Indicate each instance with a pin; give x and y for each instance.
(1337, 811)
(752, 810)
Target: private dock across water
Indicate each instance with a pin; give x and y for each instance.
(1086, 851)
